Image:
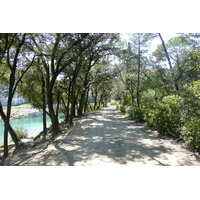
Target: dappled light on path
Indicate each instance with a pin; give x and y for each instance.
(105, 137)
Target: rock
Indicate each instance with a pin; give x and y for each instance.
(27, 140)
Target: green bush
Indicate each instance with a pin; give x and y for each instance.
(137, 114)
(21, 132)
(174, 116)
(128, 110)
(117, 106)
(166, 118)
(122, 109)
(150, 118)
(190, 134)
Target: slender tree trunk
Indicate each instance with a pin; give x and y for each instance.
(58, 103)
(100, 100)
(132, 99)
(67, 107)
(49, 90)
(67, 110)
(85, 91)
(54, 119)
(94, 95)
(44, 109)
(8, 113)
(169, 62)
(73, 99)
(10, 129)
(138, 75)
(83, 99)
(81, 104)
(86, 101)
(7, 122)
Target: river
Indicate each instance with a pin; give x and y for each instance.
(33, 125)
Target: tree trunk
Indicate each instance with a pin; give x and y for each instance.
(44, 109)
(81, 104)
(169, 62)
(83, 99)
(73, 99)
(7, 122)
(54, 118)
(86, 101)
(67, 115)
(138, 75)
(95, 98)
(10, 129)
(58, 103)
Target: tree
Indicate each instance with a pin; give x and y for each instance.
(57, 56)
(13, 58)
(34, 83)
(133, 61)
(169, 62)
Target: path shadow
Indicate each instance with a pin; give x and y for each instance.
(105, 136)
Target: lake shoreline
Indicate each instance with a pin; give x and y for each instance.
(23, 111)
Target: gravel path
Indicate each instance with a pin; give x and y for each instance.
(106, 137)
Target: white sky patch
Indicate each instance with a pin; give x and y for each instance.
(166, 36)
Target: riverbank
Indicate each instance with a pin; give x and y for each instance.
(23, 111)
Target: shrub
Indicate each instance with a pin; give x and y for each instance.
(128, 110)
(122, 109)
(191, 134)
(166, 118)
(134, 113)
(21, 132)
(117, 106)
(150, 118)
(137, 114)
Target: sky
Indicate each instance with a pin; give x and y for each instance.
(165, 35)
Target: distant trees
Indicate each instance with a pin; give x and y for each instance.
(133, 61)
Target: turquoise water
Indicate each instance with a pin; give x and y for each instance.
(33, 125)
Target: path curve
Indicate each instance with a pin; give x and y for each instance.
(106, 137)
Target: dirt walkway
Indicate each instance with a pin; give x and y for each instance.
(105, 137)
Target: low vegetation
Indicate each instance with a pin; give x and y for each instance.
(21, 132)
(176, 116)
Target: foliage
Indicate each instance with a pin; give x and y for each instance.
(190, 134)
(137, 114)
(170, 97)
(112, 102)
(21, 132)
(166, 119)
(151, 118)
(134, 113)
